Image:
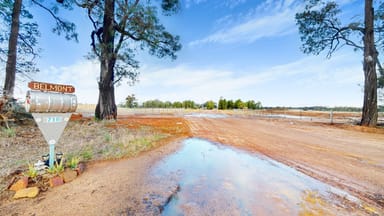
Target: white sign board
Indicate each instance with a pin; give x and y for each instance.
(51, 125)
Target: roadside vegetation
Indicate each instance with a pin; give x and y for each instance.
(223, 104)
(229, 104)
(327, 109)
(84, 140)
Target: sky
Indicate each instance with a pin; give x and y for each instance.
(235, 49)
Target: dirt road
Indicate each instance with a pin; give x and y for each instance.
(349, 159)
(106, 188)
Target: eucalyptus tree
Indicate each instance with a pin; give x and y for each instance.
(322, 29)
(131, 101)
(222, 104)
(120, 29)
(17, 41)
(210, 105)
(20, 33)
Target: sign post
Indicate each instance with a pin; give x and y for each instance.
(51, 106)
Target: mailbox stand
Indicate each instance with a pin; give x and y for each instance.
(52, 126)
(51, 111)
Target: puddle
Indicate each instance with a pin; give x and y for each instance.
(218, 180)
(287, 116)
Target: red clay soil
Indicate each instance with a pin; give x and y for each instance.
(343, 156)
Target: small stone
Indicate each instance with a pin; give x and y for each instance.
(69, 175)
(26, 193)
(80, 168)
(76, 116)
(56, 181)
(17, 172)
(20, 184)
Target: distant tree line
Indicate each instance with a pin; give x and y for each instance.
(224, 104)
(131, 102)
(323, 108)
(187, 104)
(238, 104)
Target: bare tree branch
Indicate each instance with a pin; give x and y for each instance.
(28, 45)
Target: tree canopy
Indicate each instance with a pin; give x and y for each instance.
(27, 38)
(18, 37)
(135, 26)
(322, 29)
(121, 28)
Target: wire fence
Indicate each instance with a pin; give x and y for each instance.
(291, 115)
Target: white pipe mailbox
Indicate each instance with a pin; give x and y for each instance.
(50, 102)
(51, 106)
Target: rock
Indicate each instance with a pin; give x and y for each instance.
(26, 193)
(69, 175)
(17, 172)
(80, 168)
(56, 181)
(22, 183)
(76, 116)
(10, 183)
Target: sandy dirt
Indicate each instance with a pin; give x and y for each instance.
(348, 157)
(106, 188)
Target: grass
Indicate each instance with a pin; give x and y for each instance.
(107, 137)
(9, 132)
(103, 140)
(31, 172)
(86, 154)
(57, 168)
(128, 146)
(72, 162)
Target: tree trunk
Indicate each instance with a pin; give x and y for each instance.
(106, 106)
(10, 68)
(369, 115)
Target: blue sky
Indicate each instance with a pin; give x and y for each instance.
(247, 49)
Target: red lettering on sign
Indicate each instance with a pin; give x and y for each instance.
(51, 87)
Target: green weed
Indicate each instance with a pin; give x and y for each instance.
(9, 132)
(87, 154)
(57, 168)
(31, 172)
(107, 137)
(73, 162)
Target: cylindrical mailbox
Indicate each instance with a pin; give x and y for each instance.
(39, 102)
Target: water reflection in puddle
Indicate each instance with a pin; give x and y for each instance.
(218, 180)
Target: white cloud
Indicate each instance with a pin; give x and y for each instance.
(311, 80)
(189, 3)
(233, 3)
(82, 75)
(226, 3)
(269, 19)
(308, 81)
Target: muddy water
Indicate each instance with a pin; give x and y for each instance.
(217, 180)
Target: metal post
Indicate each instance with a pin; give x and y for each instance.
(51, 154)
